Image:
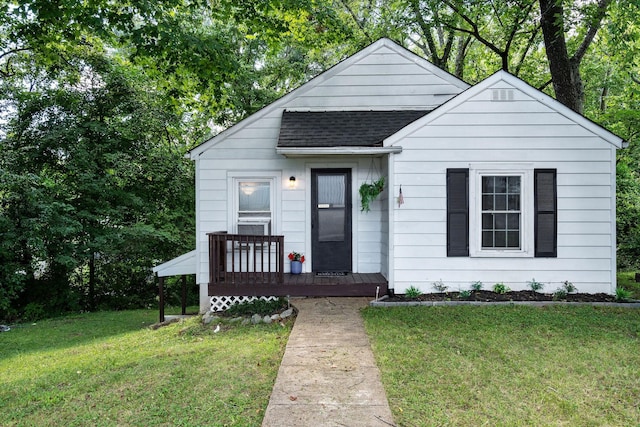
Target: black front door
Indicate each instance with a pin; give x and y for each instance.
(331, 220)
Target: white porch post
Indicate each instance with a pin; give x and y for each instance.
(391, 208)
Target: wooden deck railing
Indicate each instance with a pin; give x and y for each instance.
(245, 259)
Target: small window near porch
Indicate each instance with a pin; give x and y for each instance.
(254, 207)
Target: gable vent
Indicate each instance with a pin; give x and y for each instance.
(502, 95)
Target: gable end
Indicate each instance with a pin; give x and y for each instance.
(288, 100)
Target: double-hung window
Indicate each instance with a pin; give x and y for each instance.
(500, 210)
(501, 217)
(253, 205)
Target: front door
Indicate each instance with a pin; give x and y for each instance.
(331, 220)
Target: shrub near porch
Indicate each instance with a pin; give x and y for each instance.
(508, 365)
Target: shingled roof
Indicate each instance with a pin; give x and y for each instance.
(342, 128)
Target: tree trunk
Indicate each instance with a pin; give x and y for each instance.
(92, 282)
(565, 74)
(604, 92)
(463, 43)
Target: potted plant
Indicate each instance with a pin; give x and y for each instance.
(368, 193)
(296, 259)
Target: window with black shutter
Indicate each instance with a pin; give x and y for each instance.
(501, 211)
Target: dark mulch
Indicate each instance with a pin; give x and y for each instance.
(508, 296)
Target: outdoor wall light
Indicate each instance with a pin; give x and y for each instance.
(292, 182)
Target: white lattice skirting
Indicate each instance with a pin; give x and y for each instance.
(221, 303)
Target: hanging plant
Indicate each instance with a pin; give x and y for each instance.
(369, 192)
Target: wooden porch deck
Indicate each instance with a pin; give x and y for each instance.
(307, 284)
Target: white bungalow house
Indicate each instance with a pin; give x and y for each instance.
(496, 182)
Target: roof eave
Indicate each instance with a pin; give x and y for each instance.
(337, 151)
(181, 265)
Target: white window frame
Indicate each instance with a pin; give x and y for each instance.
(525, 172)
(233, 181)
(263, 222)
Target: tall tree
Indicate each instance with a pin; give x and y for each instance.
(565, 68)
(90, 172)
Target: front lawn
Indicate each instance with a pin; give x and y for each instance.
(440, 366)
(110, 369)
(515, 366)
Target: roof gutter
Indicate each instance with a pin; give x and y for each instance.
(335, 151)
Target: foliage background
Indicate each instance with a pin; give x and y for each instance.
(100, 100)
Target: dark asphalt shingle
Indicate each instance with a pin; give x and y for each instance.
(342, 128)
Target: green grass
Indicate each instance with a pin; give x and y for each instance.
(108, 369)
(577, 366)
(509, 366)
(627, 280)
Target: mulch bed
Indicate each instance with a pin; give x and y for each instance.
(489, 296)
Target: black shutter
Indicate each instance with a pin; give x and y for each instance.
(546, 213)
(457, 212)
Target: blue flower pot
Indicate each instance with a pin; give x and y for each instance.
(296, 267)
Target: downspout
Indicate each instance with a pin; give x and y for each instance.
(614, 244)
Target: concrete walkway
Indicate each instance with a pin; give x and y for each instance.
(328, 376)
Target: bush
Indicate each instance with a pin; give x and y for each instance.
(476, 286)
(464, 294)
(33, 311)
(569, 287)
(412, 292)
(440, 286)
(566, 288)
(559, 294)
(622, 294)
(500, 288)
(258, 306)
(535, 286)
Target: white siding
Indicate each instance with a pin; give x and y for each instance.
(371, 233)
(383, 79)
(505, 132)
